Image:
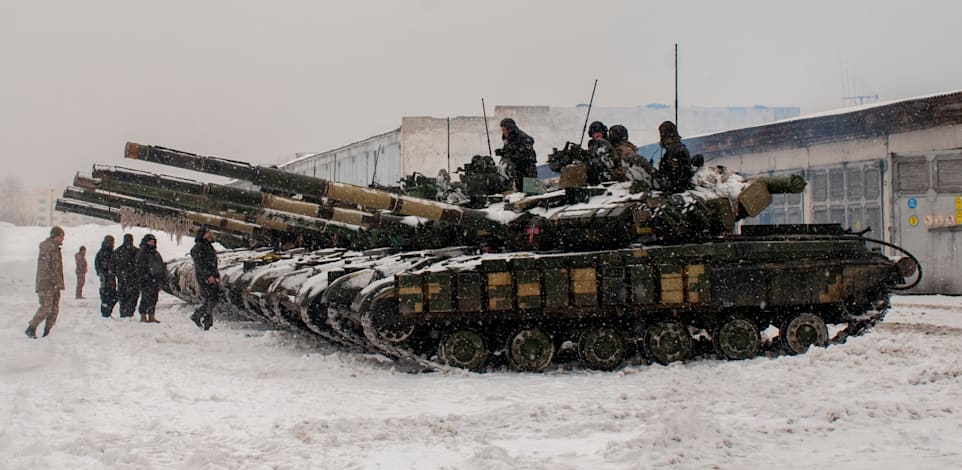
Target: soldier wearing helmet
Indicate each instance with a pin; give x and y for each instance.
(675, 165)
(601, 153)
(517, 153)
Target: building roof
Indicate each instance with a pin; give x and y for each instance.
(859, 122)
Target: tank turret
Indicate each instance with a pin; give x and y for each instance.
(573, 218)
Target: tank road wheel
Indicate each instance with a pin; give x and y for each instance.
(667, 342)
(464, 349)
(804, 330)
(601, 348)
(530, 349)
(736, 338)
(388, 323)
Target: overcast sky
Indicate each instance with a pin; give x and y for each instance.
(260, 81)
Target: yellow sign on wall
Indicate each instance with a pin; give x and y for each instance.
(914, 220)
(958, 209)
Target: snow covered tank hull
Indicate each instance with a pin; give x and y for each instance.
(611, 305)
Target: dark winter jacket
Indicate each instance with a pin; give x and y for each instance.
(103, 262)
(152, 273)
(49, 267)
(125, 258)
(675, 168)
(205, 266)
(518, 146)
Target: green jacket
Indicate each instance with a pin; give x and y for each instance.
(49, 267)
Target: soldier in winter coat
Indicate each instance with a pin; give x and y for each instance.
(601, 163)
(49, 283)
(675, 165)
(128, 286)
(104, 266)
(518, 150)
(152, 274)
(628, 164)
(80, 259)
(207, 275)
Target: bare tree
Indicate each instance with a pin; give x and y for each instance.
(14, 202)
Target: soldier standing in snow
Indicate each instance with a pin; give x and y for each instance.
(207, 275)
(152, 275)
(104, 266)
(49, 283)
(127, 277)
(80, 259)
(675, 165)
(518, 150)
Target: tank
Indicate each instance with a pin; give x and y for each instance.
(599, 276)
(584, 276)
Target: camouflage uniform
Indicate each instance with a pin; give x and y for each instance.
(49, 283)
(518, 150)
(80, 259)
(675, 165)
(629, 166)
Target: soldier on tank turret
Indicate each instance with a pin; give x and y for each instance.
(601, 154)
(675, 165)
(518, 151)
(628, 164)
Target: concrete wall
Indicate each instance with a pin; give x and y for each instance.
(375, 159)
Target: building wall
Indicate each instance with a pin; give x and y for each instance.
(858, 183)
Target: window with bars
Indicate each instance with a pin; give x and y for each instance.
(948, 174)
(849, 195)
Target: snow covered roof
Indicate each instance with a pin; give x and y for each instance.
(871, 120)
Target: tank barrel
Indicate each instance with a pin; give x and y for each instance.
(236, 198)
(360, 229)
(279, 180)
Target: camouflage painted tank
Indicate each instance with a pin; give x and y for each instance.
(598, 275)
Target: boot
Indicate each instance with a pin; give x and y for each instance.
(143, 318)
(31, 333)
(152, 319)
(196, 319)
(46, 331)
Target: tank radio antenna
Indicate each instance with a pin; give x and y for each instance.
(487, 134)
(676, 87)
(588, 114)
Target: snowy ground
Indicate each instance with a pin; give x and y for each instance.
(107, 393)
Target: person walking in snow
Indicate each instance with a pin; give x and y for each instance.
(104, 267)
(80, 259)
(49, 283)
(208, 277)
(152, 274)
(128, 287)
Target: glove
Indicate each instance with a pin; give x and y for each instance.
(499, 152)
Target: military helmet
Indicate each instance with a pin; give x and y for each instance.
(598, 126)
(617, 133)
(508, 123)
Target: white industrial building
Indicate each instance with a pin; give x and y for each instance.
(427, 144)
